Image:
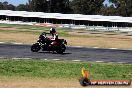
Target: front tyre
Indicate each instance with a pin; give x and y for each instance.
(61, 49)
(84, 81)
(35, 47)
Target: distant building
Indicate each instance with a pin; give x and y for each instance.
(58, 18)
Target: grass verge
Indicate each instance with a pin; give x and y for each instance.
(63, 69)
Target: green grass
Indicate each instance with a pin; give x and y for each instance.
(63, 69)
(32, 29)
(7, 25)
(61, 31)
(20, 31)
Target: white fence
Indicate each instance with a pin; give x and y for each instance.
(16, 22)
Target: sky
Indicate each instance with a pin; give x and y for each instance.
(17, 2)
(106, 1)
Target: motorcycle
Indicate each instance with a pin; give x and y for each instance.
(44, 43)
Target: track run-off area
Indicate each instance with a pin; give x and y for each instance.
(19, 51)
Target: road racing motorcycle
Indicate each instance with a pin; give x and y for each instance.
(44, 43)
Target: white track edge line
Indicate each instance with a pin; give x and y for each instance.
(76, 60)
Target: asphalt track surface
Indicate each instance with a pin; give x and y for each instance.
(72, 53)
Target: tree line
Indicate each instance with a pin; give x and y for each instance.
(87, 7)
(21, 7)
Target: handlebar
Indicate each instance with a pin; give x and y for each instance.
(47, 33)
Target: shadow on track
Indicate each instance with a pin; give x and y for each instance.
(66, 53)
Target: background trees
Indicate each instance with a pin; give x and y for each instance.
(54, 6)
(89, 7)
(6, 6)
(38, 5)
(86, 6)
(22, 7)
(123, 7)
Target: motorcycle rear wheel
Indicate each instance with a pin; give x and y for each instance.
(61, 49)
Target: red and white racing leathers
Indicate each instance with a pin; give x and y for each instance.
(53, 38)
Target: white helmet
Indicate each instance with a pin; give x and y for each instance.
(52, 30)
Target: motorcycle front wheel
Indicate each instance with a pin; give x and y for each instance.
(35, 47)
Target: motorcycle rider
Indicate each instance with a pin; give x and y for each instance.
(49, 44)
(54, 36)
(42, 37)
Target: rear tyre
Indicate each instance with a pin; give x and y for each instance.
(35, 47)
(61, 49)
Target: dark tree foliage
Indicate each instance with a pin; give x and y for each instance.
(53, 6)
(87, 6)
(11, 7)
(22, 7)
(1, 6)
(123, 7)
(60, 6)
(38, 5)
(6, 6)
(110, 11)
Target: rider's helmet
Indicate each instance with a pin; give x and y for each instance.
(52, 30)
